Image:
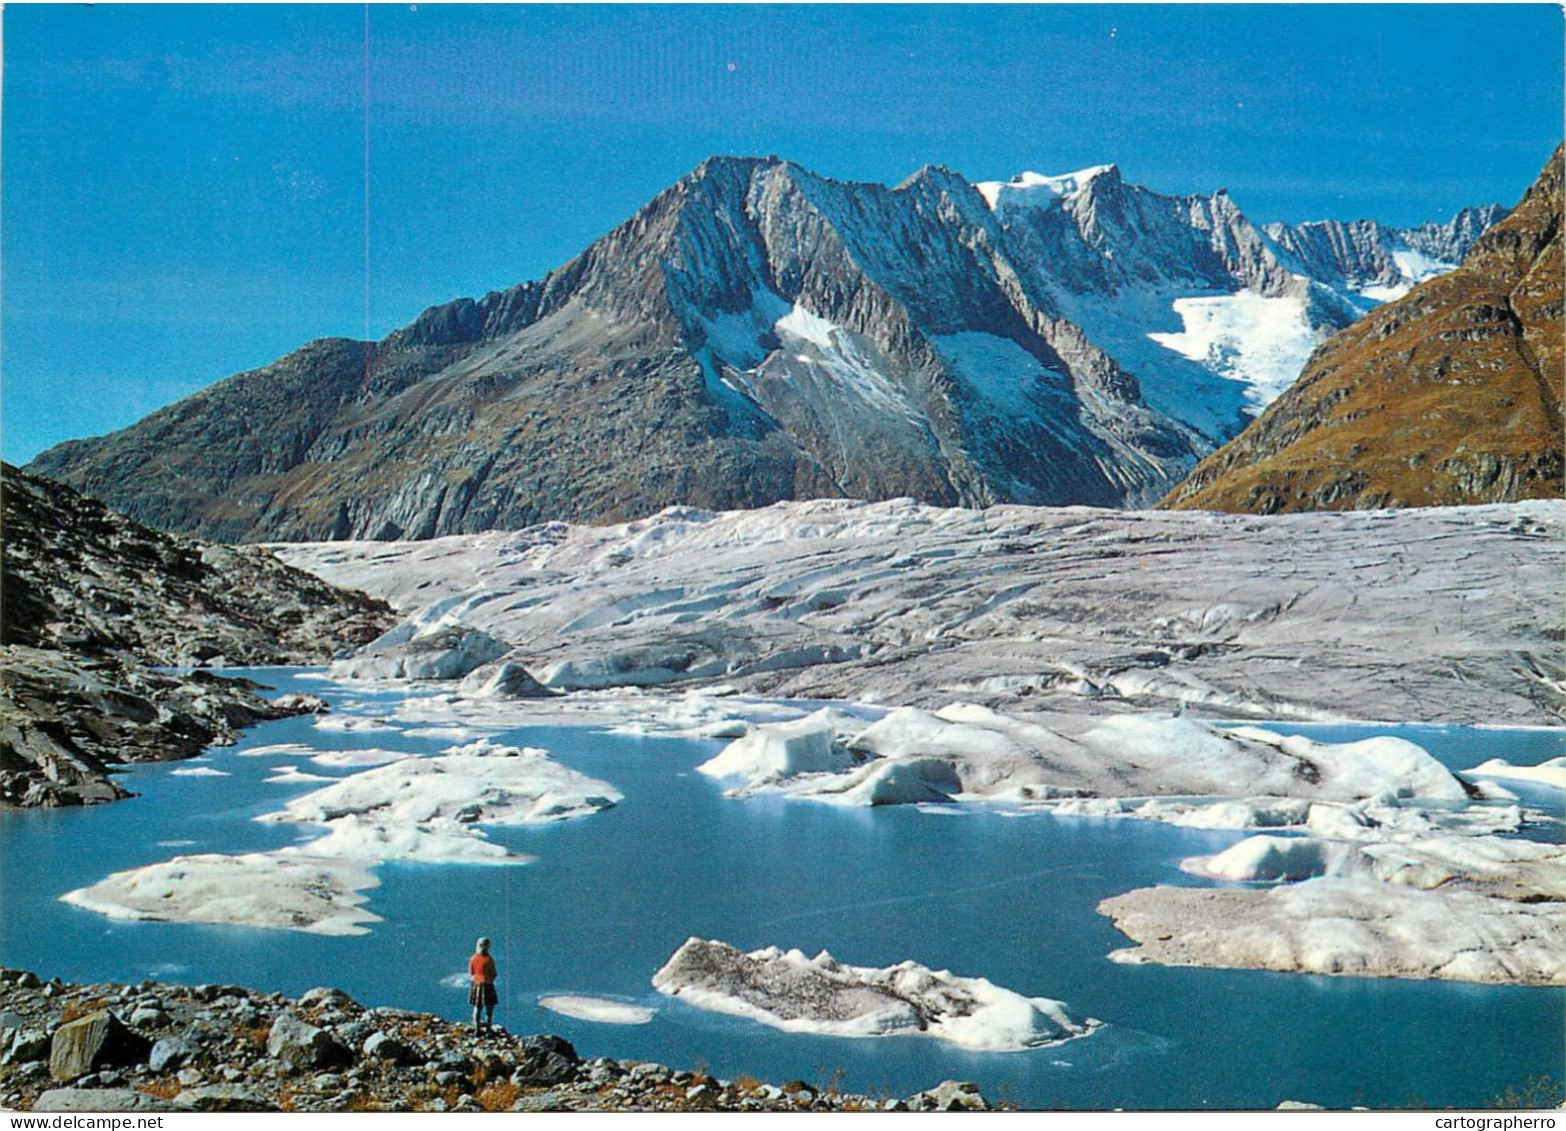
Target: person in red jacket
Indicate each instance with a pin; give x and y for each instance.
(481, 993)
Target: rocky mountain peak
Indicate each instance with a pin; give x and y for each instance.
(758, 332)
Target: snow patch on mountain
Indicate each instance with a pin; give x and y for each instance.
(1260, 342)
(1416, 266)
(773, 338)
(1179, 387)
(813, 349)
(1034, 190)
(1003, 373)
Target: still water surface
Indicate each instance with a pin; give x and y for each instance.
(980, 891)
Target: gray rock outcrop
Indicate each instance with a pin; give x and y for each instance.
(303, 1045)
(97, 607)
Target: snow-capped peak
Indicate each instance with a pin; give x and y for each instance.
(1039, 188)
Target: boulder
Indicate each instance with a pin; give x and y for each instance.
(222, 1097)
(952, 1095)
(11, 1021)
(212, 993)
(327, 995)
(302, 1045)
(26, 1045)
(148, 1016)
(545, 1061)
(99, 1099)
(169, 1053)
(98, 1040)
(384, 1046)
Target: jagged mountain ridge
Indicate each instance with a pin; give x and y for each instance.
(1376, 261)
(1450, 395)
(754, 333)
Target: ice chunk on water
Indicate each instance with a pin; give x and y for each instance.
(1551, 773)
(773, 751)
(416, 809)
(597, 1009)
(796, 993)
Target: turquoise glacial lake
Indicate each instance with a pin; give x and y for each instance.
(978, 890)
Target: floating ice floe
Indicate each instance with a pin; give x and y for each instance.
(278, 748)
(358, 759)
(1466, 908)
(775, 751)
(1274, 858)
(417, 809)
(293, 775)
(1346, 925)
(602, 1010)
(481, 782)
(1551, 773)
(445, 733)
(199, 772)
(1172, 769)
(1508, 868)
(353, 724)
(790, 991)
(285, 889)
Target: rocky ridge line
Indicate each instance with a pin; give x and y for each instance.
(152, 1047)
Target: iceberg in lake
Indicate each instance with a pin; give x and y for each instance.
(1344, 925)
(1464, 908)
(1551, 773)
(774, 751)
(790, 991)
(1172, 769)
(602, 1010)
(426, 810)
(481, 782)
(287, 890)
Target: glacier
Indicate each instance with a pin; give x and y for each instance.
(1066, 664)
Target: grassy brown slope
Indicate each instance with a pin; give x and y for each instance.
(1450, 395)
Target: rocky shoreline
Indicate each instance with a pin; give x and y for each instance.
(149, 1047)
(94, 611)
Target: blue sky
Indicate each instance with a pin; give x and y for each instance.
(189, 191)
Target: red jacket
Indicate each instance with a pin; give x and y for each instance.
(481, 967)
